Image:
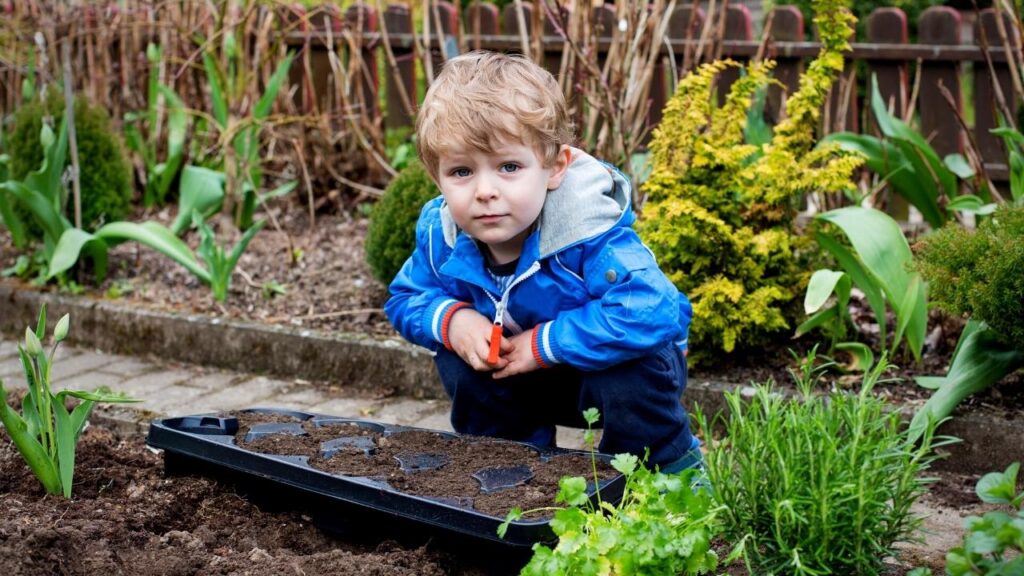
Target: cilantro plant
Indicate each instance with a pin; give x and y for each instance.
(819, 484)
(664, 524)
(45, 432)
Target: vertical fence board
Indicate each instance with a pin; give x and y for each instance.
(940, 25)
(398, 20)
(888, 25)
(510, 21)
(363, 19)
(738, 26)
(986, 107)
(481, 18)
(787, 26)
(843, 111)
(684, 23)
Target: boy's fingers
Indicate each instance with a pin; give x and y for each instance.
(507, 346)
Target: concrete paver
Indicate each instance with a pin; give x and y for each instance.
(67, 366)
(8, 348)
(10, 368)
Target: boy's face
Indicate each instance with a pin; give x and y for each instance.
(496, 197)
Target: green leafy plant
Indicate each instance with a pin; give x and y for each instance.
(220, 263)
(663, 524)
(817, 484)
(994, 544)
(46, 433)
(159, 175)
(976, 274)
(875, 258)
(720, 212)
(391, 236)
(912, 168)
(104, 171)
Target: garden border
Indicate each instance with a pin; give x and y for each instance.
(991, 440)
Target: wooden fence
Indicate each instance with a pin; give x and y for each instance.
(911, 76)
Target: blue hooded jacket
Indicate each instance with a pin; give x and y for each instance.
(585, 284)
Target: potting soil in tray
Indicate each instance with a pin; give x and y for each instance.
(464, 484)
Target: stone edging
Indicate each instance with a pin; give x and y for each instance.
(990, 441)
(285, 352)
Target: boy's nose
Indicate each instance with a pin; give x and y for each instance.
(485, 189)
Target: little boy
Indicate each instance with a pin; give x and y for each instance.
(527, 280)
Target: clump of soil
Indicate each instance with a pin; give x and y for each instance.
(451, 461)
(126, 517)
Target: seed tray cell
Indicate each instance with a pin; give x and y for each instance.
(208, 441)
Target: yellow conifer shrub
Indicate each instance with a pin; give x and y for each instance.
(720, 213)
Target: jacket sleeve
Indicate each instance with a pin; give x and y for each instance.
(634, 309)
(419, 307)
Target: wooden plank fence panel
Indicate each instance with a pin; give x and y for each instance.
(986, 108)
(940, 25)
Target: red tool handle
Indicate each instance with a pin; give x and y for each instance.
(492, 357)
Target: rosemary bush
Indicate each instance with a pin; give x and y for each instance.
(820, 484)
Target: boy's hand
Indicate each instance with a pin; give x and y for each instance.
(520, 359)
(469, 333)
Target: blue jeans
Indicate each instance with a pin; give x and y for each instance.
(639, 402)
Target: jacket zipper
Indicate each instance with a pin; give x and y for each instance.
(499, 307)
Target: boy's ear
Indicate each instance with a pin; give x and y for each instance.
(560, 167)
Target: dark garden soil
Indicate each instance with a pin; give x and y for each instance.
(455, 469)
(128, 517)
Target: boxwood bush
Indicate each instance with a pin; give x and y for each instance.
(391, 237)
(106, 176)
(980, 273)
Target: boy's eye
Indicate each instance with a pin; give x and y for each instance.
(509, 167)
(460, 172)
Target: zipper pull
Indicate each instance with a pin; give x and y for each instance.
(492, 356)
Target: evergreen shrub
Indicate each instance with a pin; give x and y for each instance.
(391, 237)
(720, 213)
(980, 273)
(105, 173)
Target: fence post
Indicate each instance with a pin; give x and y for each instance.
(986, 107)
(398, 20)
(363, 18)
(738, 26)
(787, 26)
(940, 25)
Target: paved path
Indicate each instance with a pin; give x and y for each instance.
(175, 389)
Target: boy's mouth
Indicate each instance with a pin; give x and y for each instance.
(489, 217)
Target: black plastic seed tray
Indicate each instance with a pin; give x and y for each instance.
(208, 442)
